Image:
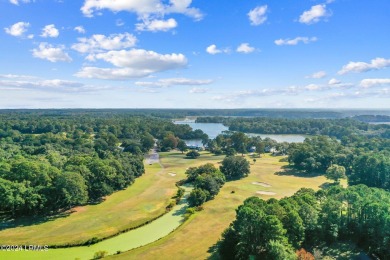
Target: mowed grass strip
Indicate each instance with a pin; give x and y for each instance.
(143, 201)
(194, 238)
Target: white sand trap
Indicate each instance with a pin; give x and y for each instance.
(172, 174)
(265, 192)
(261, 184)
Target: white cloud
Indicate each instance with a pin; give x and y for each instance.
(295, 41)
(79, 29)
(312, 87)
(314, 15)
(156, 25)
(334, 81)
(245, 48)
(174, 82)
(138, 58)
(367, 83)
(48, 52)
(49, 85)
(16, 76)
(16, 2)
(257, 15)
(135, 63)
(50, 31)
(375, 64)
(317, 75)
(212, 49)
(99, 42)
(145, 8)
(17, 29)
(198, 90)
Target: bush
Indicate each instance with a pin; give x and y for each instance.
(193, 154)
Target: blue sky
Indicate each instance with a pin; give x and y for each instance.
(195, 54)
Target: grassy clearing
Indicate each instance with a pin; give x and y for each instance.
(146, 199)
(195, 237)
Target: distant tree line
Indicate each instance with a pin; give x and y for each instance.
(306, 126)
(276, 229)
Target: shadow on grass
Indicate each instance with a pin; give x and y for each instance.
(290, 171)
(213, 251)
(7, 222)
(327, 185)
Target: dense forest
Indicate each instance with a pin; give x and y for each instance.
(51, 162)
(276, 229)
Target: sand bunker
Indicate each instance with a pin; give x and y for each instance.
(265, 192)
(261, 184)
(172, 174)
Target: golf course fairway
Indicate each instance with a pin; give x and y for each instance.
(144, 235)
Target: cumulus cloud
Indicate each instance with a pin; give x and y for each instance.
(257, 15)
(99, 42)
(156, 25)
(50, 31)
(80, 29)
(135, 63)
(245, 48)
(357, 67)
(143, 8)
(334, 81)
(317, 75)
(174, 82)
(314, 15)
(17, 29)
(48, 52)
(212, 49)
(368, 83)
(295, 41)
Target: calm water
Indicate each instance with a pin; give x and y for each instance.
(214, 129)
(211, 129)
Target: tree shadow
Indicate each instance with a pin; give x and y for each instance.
(213, 251)
(290, 171)
(327, 185)
(7, 222)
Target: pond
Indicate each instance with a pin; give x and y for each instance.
(214, 129)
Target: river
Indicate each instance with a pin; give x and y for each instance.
(214, 129)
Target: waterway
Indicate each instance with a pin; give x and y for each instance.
(214, 129)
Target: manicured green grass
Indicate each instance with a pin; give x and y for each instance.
(194, 238)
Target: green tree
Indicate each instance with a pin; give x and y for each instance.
(70, 190)
(197, 197)
(182, 146)
(234, 167)
(335, 173)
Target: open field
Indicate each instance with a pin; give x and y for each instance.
(146, 199)
(194, 238)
